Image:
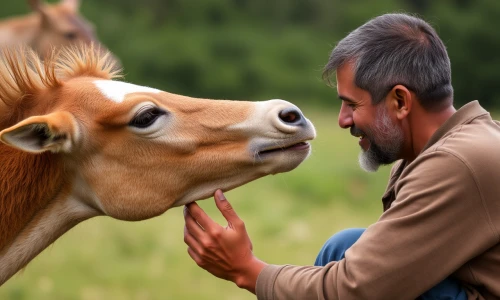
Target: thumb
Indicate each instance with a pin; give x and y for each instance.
(225, 207)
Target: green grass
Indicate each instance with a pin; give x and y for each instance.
(288, 217)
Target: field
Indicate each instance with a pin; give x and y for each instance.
(288, 216)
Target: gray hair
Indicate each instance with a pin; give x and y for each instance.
(396, 49)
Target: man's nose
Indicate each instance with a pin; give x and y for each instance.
(345, 116)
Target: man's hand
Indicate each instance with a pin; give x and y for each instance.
(226, 252)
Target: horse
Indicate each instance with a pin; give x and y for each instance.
(47, 26)
(78, 142)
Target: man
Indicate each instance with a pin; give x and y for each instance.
(438, 237)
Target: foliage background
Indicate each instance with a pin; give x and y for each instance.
(247, 49)
(261, 49)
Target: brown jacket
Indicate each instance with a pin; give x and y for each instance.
(442, 217)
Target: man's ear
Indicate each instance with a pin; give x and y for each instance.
(401, 100)
(55, 132)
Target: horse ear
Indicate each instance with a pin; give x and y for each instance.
(38, 6)
(55, 132)
(74, 5)
(35, 5)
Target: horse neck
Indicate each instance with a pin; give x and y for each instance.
(36, 206)
(20, 29)
(27, 183)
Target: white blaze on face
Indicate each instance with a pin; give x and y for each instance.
(117, 90)
(5, 36)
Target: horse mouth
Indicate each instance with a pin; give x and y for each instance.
(301, 146)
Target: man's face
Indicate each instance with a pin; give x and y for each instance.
(381, 138)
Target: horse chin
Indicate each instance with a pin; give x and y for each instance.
(206, 191)
(279, 162)
(287, 161)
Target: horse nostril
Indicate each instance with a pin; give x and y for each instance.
(290, 116)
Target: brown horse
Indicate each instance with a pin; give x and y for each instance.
(77, 144)
(48, 26)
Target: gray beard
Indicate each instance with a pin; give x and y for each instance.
(388, 147)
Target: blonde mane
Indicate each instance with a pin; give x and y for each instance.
(23, 75)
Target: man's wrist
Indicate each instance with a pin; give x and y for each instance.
(248, 278)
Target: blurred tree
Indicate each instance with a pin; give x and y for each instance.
(469, 29)
(259, 49)
(419, 6)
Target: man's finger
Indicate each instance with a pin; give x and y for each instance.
(191, 241)
(200, 216)
(225, 208)
(192, 227)
(197, 259)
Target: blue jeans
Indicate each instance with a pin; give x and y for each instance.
(335, 248)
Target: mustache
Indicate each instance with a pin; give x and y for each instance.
(355, 131)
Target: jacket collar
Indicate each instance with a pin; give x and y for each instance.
(464, 115)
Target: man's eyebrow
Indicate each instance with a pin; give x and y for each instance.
(347, 99)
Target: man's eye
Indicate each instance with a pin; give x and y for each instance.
(146, 117)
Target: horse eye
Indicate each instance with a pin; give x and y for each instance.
(70, 35)
(146, 117)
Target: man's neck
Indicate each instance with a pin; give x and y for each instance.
(423, 125)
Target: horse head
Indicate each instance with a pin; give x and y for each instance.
(88, 145)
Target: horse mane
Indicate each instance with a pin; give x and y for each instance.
(24, 75)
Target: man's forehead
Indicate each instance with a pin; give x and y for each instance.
(345, 82)
(347, 90)
(345, 73)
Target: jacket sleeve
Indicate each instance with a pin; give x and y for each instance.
(436, 224)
